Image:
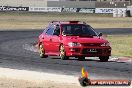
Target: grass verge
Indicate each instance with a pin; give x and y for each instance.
(121, 45)
(28, 20)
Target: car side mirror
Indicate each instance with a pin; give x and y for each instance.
(100, 34)
(56, 33)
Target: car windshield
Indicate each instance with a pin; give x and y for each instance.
(78, 30)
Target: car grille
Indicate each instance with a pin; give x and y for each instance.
(91, 44)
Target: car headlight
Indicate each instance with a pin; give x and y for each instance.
(105, 44)
(74, 44)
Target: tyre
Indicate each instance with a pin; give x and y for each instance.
(104, 58)
(81, 58)
(63, 53)
(42, 52)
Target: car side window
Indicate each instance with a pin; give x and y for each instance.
(50, 31)
(57, 31)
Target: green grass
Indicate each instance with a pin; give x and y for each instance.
(121, 45)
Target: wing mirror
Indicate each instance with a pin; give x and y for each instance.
(100, 34)
(56, 33)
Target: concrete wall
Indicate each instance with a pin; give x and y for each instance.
(36, 3)
(130, 8)
(71, 4)
(111, 4)
(68, 4)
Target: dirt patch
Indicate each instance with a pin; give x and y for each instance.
(14, 83)
(13, 78)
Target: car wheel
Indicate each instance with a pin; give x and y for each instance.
(62, 53)
(81, 58)
(104, 58)
(42, 52)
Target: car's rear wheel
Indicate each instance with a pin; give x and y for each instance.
(63, 53)
(81, 58)
(104, 58)
(42, 51)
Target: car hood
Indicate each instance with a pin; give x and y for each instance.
(94, 39)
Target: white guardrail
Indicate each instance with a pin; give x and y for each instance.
(12, 8)
(59, 9)
(45, 9)
(117, 12)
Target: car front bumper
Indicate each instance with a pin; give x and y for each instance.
(92, 51)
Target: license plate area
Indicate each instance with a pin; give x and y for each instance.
(91, 51)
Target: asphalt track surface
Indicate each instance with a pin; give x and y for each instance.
(14, 56)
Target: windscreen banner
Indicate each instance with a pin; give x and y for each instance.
(11, 8)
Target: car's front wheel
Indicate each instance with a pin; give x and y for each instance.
(63, 53)
(42, 51)
(104, 58)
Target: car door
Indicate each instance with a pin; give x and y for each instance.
(47, 39)
(55, 40)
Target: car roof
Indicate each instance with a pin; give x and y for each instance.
(66, 22)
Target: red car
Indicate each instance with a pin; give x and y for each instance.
(73, 39)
